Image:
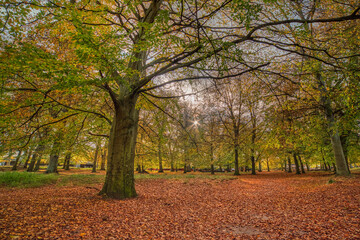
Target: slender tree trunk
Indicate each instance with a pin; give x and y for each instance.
(37, 164)
(23, 157)
(253, 172)
(161, 170)
(28, 158)
(138, 168)
(301, 164)
(334, 166)
(253, 138)
(236, 161)
(143, 169)
(14, 168)
(119, 180)
(172, 168)
(212, 169)
(98, 145)
(344, 144)
(67, 160)
(296, 164)
(212, 158)
(285, 165)
(325, 166)
(289, 165)
(64, 163)
(103, 160)
(329, 166)
(307, 166)
(267, 164)
(37, 155)
(260, 170)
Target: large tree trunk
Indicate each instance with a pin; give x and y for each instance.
(344, 144)
(54, 157)
(341, 165)
(119, 180)
(14, 168)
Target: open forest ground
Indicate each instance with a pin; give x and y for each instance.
(271, 205)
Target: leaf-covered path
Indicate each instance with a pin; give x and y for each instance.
(266, 206)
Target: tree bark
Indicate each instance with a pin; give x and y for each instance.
(253, 172)
(236, 161)
(28, 158)
(267, 163)
(212, 158)
(54, 156)
(260, 170)
(297, 167)
(253, 138)
(161, 170)
(67, 161)
(37, 164)
(103, 160)
(119, 180)
(341, 165)
(96, 157)
(301, 164)
(289, 165)
(334, 167)
(37, 155)
(14, 168)
(172, 169)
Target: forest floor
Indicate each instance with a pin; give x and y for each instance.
(273, 205)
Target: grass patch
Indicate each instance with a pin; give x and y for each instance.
(26, 179)
(185, 176)
(81, 179)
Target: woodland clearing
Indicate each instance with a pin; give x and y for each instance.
(273, 205)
